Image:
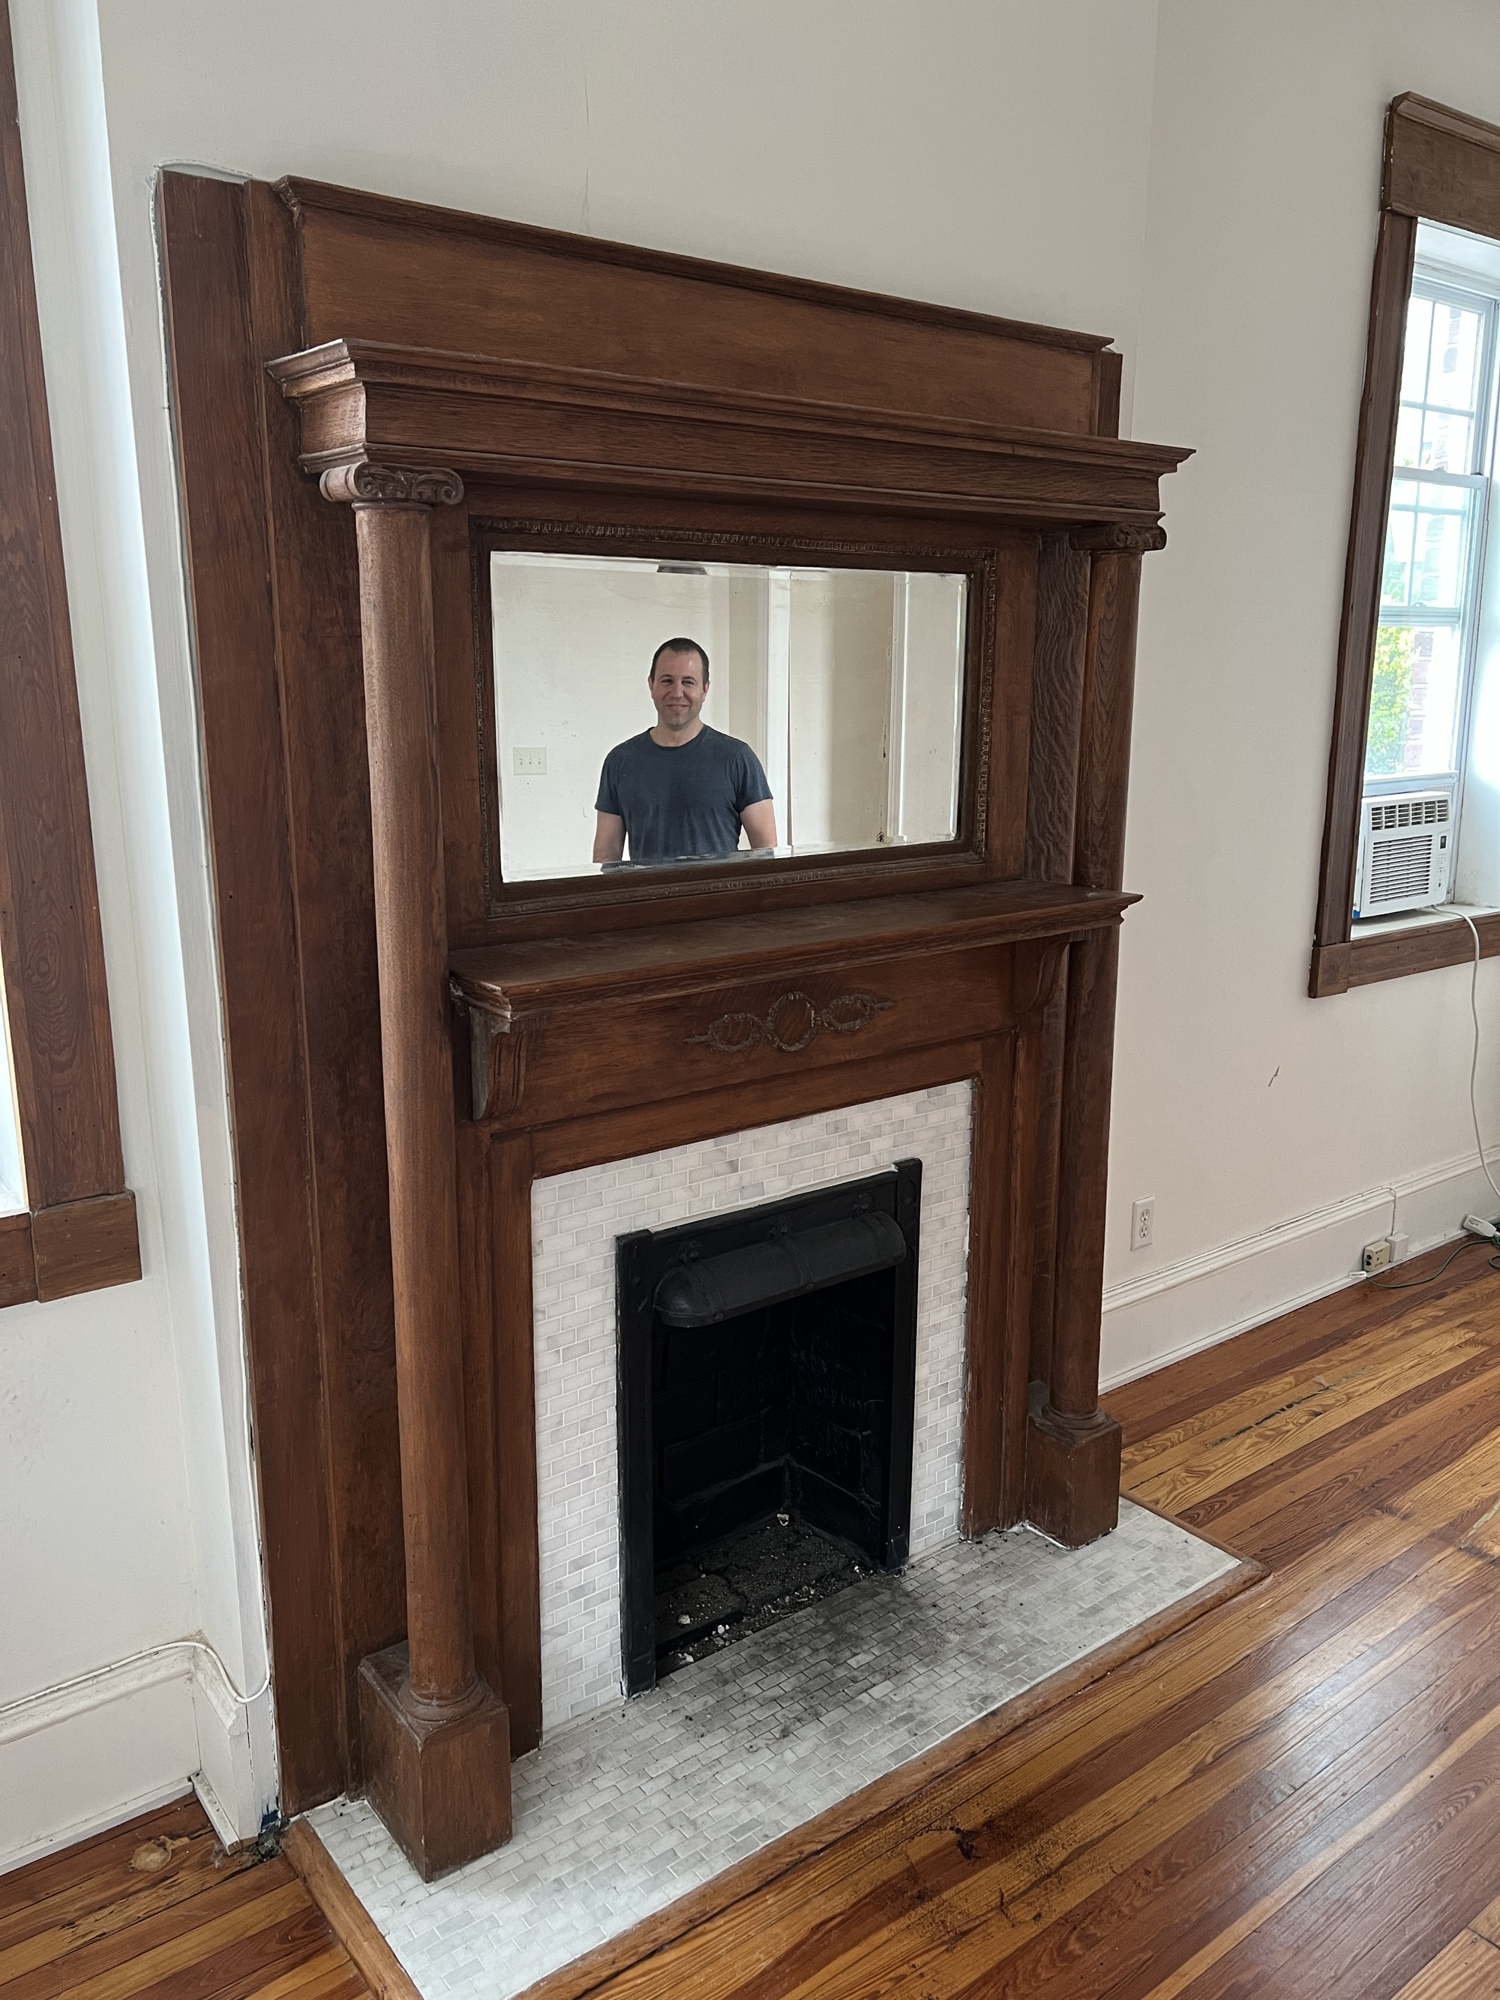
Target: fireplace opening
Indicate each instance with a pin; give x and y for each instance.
(767, 1371)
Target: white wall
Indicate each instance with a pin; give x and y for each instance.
(989, 153)
(125, 1482)
(1276, 1133)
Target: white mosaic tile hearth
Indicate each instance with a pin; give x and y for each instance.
(625, 1810)
(575, 1220)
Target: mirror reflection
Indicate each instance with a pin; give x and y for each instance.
(651, 713)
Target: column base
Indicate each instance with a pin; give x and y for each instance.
(1072, 1472)
(440, 1783)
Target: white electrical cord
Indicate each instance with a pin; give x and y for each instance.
(1474, 1065)
(134, 1659)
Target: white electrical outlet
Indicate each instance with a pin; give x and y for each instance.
(529, 763)
(1142, 1222)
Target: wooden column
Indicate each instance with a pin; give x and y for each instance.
(436, 1738)
(1073, 1447)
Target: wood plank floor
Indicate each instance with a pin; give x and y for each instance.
(1299, 1795)
(156, 1908)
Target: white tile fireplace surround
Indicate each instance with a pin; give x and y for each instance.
(575, 1220)
(627, 1806)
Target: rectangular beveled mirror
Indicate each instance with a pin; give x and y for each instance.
(651, 713)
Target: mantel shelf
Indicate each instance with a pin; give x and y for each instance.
(687, 957)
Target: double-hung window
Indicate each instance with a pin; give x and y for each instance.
(1411, 836)
(1430, 579)
(1429, 721)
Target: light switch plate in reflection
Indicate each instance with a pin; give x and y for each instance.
(529, 763)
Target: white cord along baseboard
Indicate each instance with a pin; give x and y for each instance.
(136, 1671)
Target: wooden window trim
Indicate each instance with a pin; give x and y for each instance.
(80, 1232)
(1440, 166)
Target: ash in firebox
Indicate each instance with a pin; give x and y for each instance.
(743, 1583)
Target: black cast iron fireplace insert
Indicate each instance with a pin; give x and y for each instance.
(767, 1365)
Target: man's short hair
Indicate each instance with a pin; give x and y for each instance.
(679, 646)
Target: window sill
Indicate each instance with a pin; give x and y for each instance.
(78, 1246)
(1392, 947)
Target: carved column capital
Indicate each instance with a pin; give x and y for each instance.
(1115, 538)
(367, 485)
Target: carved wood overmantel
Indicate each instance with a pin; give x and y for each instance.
(435, 1037)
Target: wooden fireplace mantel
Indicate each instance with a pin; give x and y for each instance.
(370, 397)
(570, 1027)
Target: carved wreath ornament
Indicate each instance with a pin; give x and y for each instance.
(790, 1023)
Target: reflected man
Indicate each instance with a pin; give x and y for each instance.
(681, 791)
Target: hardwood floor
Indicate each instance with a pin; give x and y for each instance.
(155, 1908)
(1299, 1795)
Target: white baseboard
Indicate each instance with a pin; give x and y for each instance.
(73, 1764)
(84, 1829)
(220, 1818)
(76, 1760)
(1180, 1309)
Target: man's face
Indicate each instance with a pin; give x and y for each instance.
(678, 689)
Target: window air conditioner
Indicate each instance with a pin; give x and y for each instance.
(1405, 852)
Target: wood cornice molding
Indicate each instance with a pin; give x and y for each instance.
(1415, 110)
(1441, 164)
(368, 401)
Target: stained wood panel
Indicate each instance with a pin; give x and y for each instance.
(217, 404)
(320, 695)
(51, 945)
(1390, 286)
(566, 1063)
(393, 271)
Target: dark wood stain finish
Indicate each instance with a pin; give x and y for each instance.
(1395, 250)
(1443, 165)
(51, 945)
(396, 272)
(217, 404)
(576, 395)
(319, 691)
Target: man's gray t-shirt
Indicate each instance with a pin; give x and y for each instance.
(684, 802)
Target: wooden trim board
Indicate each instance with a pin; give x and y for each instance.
(51, 942)
(348, 1919)
(1444, 166)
